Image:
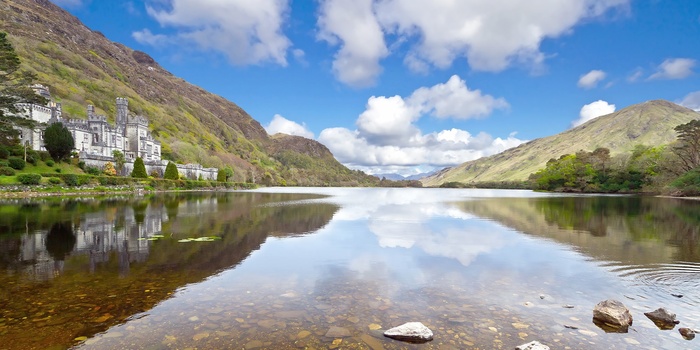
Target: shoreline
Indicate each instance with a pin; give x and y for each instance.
(90, 192)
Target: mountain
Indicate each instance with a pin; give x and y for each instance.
(82, 66)
(397, 177)
(649, 123)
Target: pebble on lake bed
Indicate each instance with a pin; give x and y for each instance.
(410, 332)
(687, 333)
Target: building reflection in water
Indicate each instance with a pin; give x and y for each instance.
(120, 230)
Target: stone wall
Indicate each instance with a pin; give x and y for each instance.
(190, 171)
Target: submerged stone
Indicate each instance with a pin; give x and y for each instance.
(415, 332)
(662, 318)
(687, 333)
(337, 332)
(612, 316)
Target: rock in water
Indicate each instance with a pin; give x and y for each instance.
(337, 332)
(687, 333)
(414, 332)
(533, 345)
(662, 318)
(612, 316)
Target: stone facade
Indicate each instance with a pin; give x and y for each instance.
(95, 138)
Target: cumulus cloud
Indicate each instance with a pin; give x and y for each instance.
(674, 68)
(692, 101)
(247, 32)
(146, 37)
(387, 136)
(591, 79)
(491, 34)
(280, 124)
(593, 110)
(353, 26)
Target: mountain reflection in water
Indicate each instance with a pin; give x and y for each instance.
(483, 269)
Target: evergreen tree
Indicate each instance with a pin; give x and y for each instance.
(14, 88)
(171, 172)
(688, 148)
(221, 176)
(58, 141)
(139, 169)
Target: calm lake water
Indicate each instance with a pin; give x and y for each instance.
(278, 268)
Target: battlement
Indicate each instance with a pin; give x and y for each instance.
(97, 118)
(137, 119)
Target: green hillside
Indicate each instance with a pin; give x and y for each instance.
(649, 123)
(81, 67)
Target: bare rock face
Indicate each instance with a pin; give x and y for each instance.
(687, 333)
(662, 318)
(533, 345)
(612, 316)
(414, 332)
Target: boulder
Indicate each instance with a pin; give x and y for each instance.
(533, 345)
(612, 316)
(662, 318)
(687, 333)
(414, 332)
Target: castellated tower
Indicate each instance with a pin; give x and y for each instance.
(122, 110)
(90, 111)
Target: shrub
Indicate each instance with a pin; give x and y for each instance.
(16, 163)
(171, 172)
(54, 181)
(109, 169)
(32, 159)
(29, 179)
(44, 156)
(7, 171)
(58, 170)
(50, 163)
(92, 170)
(81, 165)
(154, 174)
(4, 153)
(71, 180)
(139, 169)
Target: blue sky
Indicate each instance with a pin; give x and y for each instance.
(406, 86)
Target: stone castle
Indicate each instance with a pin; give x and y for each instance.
(95, 139)
(94, 136)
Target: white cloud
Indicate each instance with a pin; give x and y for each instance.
(692, 101)
(145, 37)
(353, 25)
(491, 34)
(674, 68)
(593, 110)
(387, 136)
(280, 124)
(247, 32)
(635, 75)
(591, 79)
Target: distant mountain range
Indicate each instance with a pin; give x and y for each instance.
(398, 177)
(650, 123)
(82, 66)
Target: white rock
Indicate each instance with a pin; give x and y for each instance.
(411, 331)
(533, 345)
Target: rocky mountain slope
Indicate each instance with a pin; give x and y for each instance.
(82, 66)
(650, 123)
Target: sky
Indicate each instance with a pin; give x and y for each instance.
(407, 86)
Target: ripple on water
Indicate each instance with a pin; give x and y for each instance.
(665, 281)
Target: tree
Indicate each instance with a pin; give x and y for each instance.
(221, 176)
(688, 147)
(14, 88)
(171, 172)
(58, 141)
(139, 171)
(119, 160)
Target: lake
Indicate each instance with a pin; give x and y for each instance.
(279, 268)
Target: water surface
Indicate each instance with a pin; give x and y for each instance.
(483, 269)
